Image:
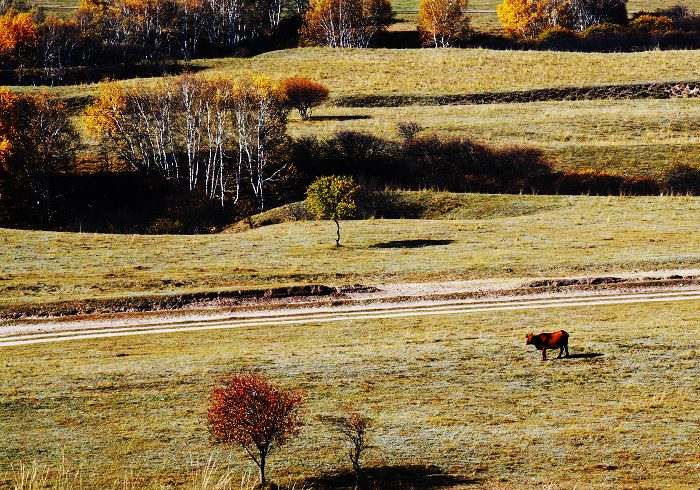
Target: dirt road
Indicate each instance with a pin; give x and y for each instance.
(17, 335)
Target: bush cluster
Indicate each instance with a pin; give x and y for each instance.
(670, 28)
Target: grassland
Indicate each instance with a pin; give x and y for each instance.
(633, 136)
(639, 136)
(496, 236)
(462, 393)
(455, 71)
(448, 71)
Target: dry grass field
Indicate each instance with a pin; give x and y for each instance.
(447, 71)
(462, 393)
(457, 71)
(637, 136)
(643, 136)
(489, 237)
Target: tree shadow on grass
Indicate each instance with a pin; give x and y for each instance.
(586, 355)
(411, 243)
(391, 477)
(339, 118)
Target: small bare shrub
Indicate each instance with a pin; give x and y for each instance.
(353, 427)
(408, 129)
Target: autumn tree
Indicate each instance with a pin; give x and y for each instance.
(18, 37)
(260, 112)
(333, 198)
(37, 141)
(443, 23)
(527, 19)
(303, 94)
(345, 23)
(60, 39)
(248, 410)
(200, 132)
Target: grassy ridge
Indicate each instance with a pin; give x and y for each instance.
(635, 136)
(448, 71)
(460, 392)
(565, 236)
(454, 71)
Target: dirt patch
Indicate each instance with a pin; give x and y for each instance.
(664, 90)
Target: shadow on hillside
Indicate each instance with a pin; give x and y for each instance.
(587, 355)
(411, 243)
(391, 477)
(348, 117)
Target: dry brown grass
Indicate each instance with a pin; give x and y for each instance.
(626, 136)
(460, 392)
(493, 236)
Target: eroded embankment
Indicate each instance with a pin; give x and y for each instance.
(661, 90)
(320, 296)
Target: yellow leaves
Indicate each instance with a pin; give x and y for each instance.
(110, 101)
(332, 197)
(442, 22)
(8, 130)
(17, 31)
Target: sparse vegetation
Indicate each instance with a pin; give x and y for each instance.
(459, 393)
(594, 234)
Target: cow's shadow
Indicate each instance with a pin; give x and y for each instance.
(584, 355)
(391, 477)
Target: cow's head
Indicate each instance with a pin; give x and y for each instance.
(528, 339)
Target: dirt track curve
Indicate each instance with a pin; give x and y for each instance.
(78, 331)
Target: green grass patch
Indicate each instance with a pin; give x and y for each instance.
(460, 392)
(559, 236)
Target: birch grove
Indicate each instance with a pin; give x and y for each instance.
(208, 135)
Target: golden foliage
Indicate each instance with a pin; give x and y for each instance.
(442, 23)
(17, 31)
(345, 23)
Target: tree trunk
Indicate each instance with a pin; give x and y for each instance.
(337, 240)
(262, 470)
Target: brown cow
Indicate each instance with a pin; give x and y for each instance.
(555, 340)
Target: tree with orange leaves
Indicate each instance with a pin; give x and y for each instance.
(37, 141)
(248, 410)
(443, 23)
(304, 94)
(8, 118)
(18, 36)
(527, 19)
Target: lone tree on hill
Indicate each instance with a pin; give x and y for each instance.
(303, 94)
(248, 410)
(332, 197)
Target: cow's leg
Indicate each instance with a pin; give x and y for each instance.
(566, 346)
(561, 352)
(544, 353)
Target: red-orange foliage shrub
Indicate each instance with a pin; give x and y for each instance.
(248, 410)
(303, 94)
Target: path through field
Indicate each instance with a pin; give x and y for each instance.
(58, 332)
